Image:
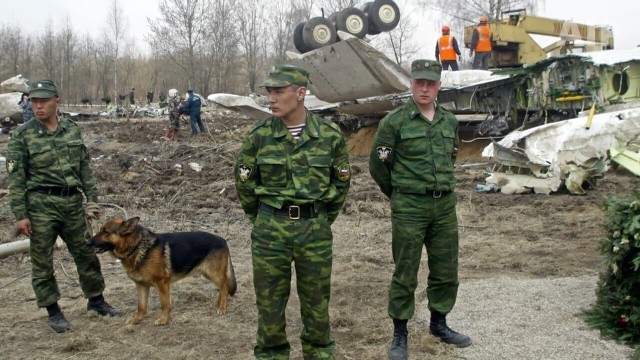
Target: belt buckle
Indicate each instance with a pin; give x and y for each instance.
(296, 214)
(437, 194)
(65, 191)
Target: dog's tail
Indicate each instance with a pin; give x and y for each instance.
(231, 277)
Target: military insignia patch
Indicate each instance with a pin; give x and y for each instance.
(344, 171)
(383, 153)
(244, 172)
(11, 165)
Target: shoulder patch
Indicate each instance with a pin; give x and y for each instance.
(343, 171)
(244, 172)
(384, 153)
(11, 165)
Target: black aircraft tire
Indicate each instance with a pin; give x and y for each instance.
(384, 15)
(353, 21)
(318, 32)
(298, 42)
(371, 28)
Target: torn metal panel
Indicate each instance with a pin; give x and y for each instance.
(16, 84)
(562, 152)
(10, 111)
(351, 69)
(242, 104)
(627, 156)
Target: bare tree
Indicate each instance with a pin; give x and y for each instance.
(334, 6)
(28, 50)
(103, 62)
(464, 12)
(13, 47)
(252, 40)
(115, 32)
(84, 70)
(398, 43)
(67, 44)
(47, 52)
(223, 44)
(181, 32)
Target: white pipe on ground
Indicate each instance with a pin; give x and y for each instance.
(14, 248)
(19, 246)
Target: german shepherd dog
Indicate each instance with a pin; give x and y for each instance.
(158, 260)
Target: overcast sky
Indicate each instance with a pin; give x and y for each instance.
(89, 16)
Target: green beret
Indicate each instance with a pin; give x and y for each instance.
(426, 69)
(43, 89)
(285, 75)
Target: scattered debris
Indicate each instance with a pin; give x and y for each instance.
(541, 159)
(627, 157)
(195, 166)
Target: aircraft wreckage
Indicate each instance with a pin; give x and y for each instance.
(545, 103)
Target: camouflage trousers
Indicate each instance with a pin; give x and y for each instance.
(277, 242)
(421, 220)
(174, 120)
(51, 216)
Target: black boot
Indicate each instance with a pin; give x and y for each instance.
(99, 305)
(439, 329)
(398, 348)
(57, 321)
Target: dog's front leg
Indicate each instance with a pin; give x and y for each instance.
(165, 302)
(143, 300)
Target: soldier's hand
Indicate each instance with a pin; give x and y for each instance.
(24, 227)
(92, 209)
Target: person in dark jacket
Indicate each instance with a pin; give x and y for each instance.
(193, 106)
(25, 104)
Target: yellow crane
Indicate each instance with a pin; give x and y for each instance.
(513, 45)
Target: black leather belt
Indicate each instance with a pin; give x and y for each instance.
(293, 212)
(57, 191)
(437, 194)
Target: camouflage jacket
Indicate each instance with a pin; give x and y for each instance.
(38, 158)
(272, 167)
(174, 107)
(413, 155)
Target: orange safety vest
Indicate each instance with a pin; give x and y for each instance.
(445, 45)
(484, 39)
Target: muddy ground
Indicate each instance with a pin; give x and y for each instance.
(525, 237)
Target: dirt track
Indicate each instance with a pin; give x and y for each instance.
(508, 243)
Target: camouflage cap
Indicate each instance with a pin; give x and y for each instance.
(284, 75)
(426, 69)
(43, 89)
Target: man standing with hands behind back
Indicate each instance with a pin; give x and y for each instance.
(292, 177)
(412, 162)
(48, 167)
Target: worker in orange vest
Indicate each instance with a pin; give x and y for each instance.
(481, 44)
(447, 50)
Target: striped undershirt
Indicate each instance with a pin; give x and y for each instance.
(296, 130)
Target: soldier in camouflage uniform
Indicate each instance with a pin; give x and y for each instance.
(174, 115)
(412, 161)
(292, 177)
(48, 167)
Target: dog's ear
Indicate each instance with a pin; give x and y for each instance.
(129, 226)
